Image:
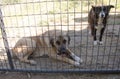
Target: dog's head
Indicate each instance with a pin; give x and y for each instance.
(60, 43)
(101, 11)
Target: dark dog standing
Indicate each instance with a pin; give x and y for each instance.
(97, 19)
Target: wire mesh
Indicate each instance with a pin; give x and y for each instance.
(35, 17)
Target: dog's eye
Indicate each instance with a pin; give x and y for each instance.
(58, 42)
(64, 41)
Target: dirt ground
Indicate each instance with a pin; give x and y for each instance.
(23, 75)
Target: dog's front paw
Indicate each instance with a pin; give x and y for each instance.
(101, 43)
(81, 61)
(32, 62)
(78, 59)
(89, 32)
(95, 42)
(77, 64)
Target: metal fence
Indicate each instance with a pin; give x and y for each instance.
(30, 18)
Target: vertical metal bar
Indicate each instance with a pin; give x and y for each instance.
(4, 36)
(81, 29)
(117, 43)
(46, 25)
(88, 30)
(74, 26)
(110, 51)
(41, 29)
(55, 24)
(61, 21)
(36, 32)
(93, 47)
(68, 19)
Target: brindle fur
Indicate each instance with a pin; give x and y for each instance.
(97, 23)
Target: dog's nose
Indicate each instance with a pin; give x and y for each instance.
(63, 50)
(102, 15)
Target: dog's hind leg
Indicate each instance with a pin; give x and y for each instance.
(23, 49)
(26, 60)
(23, 57)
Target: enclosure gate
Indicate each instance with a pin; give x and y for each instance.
(30, 18)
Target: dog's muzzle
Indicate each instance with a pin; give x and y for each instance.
(63, 51)
(102, 14)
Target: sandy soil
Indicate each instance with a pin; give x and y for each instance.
(19, 75)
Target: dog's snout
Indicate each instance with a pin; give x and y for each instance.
(62, 49)
(102, 15)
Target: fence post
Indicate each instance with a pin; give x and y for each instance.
(4, 36)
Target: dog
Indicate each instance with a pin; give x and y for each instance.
(54, 42)
(97, 20)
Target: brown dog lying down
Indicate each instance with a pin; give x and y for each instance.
(54, 41)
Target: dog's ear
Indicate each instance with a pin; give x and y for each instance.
(111, 6)
(52, 42)
(68, 39)
(93, 7)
